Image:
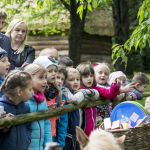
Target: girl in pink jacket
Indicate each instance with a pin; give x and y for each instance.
(88, 81)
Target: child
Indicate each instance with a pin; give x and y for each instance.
(76, 117)
(141, 82)
(50, 52)
(65, 61)
(4, 64)
(87, 77)
(41, 133)
(17, 87)
(125, 91)
(62, 123)
(52, 90)
(102, 72)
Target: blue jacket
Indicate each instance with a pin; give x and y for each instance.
(1, 81)
(61, 127)
(41, 129)
(16, 137)
(6, 45)
(135, 91)
(74, 120)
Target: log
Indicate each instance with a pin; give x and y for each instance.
(39, 115)
(56, 42)
(47, 38)
(63, 47)
(60, 53)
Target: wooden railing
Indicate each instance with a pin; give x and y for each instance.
(29, 117)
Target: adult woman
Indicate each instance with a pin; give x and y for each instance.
(21, 53)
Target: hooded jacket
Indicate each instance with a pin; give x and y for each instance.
(17, 137)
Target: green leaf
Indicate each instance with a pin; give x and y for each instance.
(114, 61)
(122, 53)
(137, 44)
(126, 59)
(89, 7)
(94, 3)
(80, 8)
(114, 46)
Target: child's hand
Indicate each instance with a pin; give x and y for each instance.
(78, 90)
(28, 149)
(88, 91)
(62, 102)
(128, 88)
(3, 115)
(51, 105)
(147, 105)
(128, 97)
(116, 82)
(9, 115)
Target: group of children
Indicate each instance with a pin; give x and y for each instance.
(45, 84)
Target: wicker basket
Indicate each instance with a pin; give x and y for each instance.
(137, 138)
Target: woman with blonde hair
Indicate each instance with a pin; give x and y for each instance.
(21, 53)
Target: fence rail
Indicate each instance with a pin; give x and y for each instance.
(29, 117)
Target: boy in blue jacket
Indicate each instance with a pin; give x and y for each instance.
(62, 123)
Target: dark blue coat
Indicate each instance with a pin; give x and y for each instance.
(16, 137)
(6, 45)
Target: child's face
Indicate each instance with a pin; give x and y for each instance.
(51, 74)
(60, 78)
(101, 75)
(87, 80)
(142, 88)
(123, 81)
(4, 66)
(53, 54)
(73, 81)
(39, 82)
(27, 93)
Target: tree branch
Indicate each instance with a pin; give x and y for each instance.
(65, 4)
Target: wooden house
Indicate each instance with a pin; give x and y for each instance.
(96, 43)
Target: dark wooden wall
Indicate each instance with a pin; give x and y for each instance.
(94, 48)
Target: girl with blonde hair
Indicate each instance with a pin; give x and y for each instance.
(21, 53)
(41, 129)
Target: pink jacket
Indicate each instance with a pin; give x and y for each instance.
(91, 111)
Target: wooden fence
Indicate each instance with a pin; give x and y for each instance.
(24, 118)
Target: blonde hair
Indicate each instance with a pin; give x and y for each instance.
(13, 24)
(35, 68)
(101, 64)
(14, 80)
(3, 14)
(46, 50)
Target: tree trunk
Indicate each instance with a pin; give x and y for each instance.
(75, 33)
(121, 27)
(39, 115)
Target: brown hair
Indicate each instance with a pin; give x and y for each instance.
(62, 69)
(65, 61)
(13, 81)
(3, 14)
(86, 69)
(140, 78)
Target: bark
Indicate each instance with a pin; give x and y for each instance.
(24, 118)
(75, 33)
(121, 27)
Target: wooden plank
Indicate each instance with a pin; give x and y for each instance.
(47, 38)
(57, 42)
(96, 52)
(63, 47)
(60, 53)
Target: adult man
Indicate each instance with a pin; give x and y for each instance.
(5, 40)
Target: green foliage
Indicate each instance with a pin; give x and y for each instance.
(46, 16)
(139, 37)
(90, 4)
